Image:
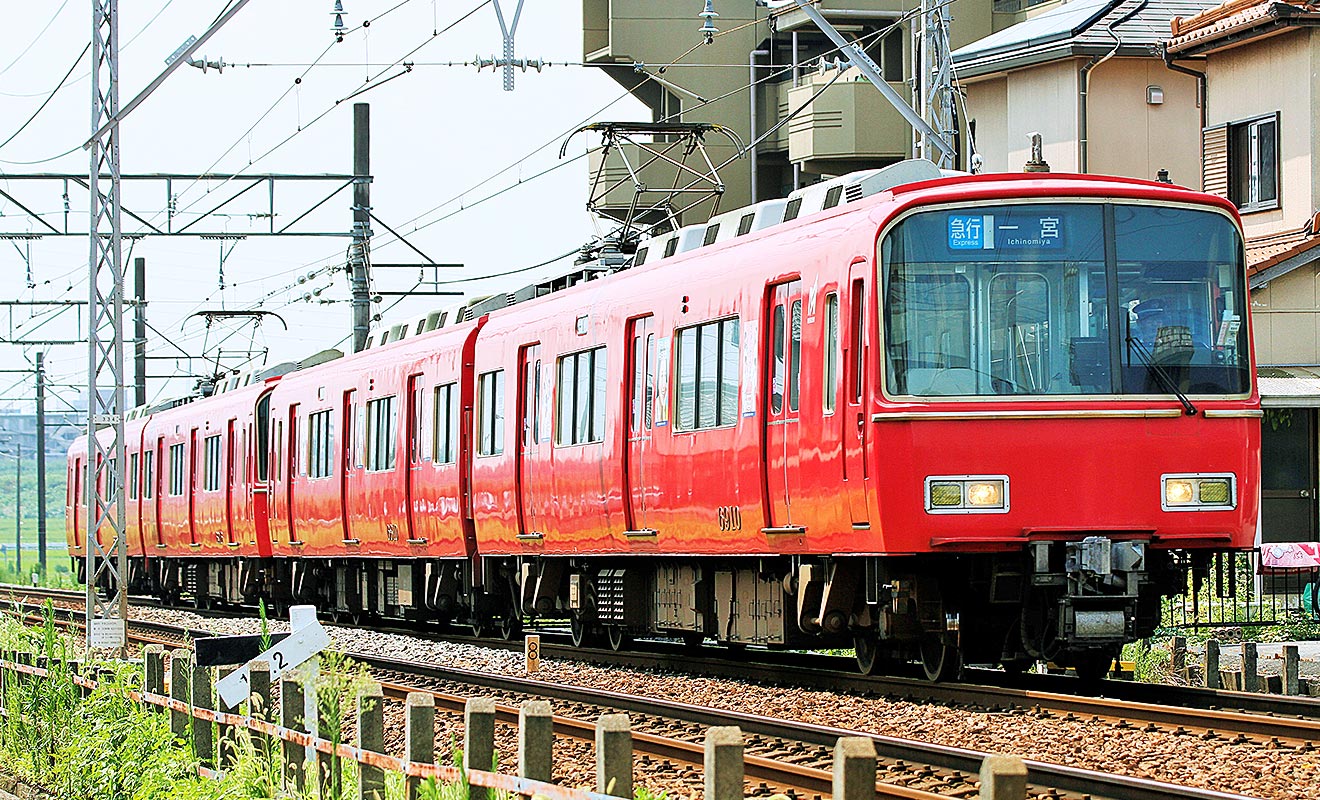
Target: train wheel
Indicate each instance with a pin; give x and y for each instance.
(868, 653)
(940, 661)
(579, 630)
(618, 637)
(508, 627)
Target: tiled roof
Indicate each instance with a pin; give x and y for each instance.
(1079, 27)
(1264, 252)
(1237, 19)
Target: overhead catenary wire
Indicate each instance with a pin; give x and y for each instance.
(49, 97)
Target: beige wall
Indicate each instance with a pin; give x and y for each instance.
(987, 102)
(1133, 138)
(1040, 99)
(1287, 327)
(1274, 74)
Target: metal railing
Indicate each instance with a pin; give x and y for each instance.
(1236, 591)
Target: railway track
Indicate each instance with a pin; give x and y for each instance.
(785, 754)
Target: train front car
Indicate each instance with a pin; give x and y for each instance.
(1067, 425)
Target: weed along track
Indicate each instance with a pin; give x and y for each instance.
(932, 744)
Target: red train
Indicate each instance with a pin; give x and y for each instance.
(969, 418)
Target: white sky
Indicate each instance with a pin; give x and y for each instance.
(436, 132)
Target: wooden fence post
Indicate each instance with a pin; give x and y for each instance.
(536, 740)
(259, 705)
(371, 736)
(1250, 668)
(724, 763)
(228, 745)
(1212, 680)
(854, 768)
(419, 736)
(478, 740)
(180, 683)
(614, 755)
(292, 701)
(203, 696)
(153, 671)
(1002, 778)
(1291, 670)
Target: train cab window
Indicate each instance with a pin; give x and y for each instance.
(382, 426)
(581, 389)
(148, 474)
(643, 403)
(857, 339)
(444, 444)
(707, 395)
(490, 413)
(1079, 298)
(795, 356)
(416, 409)
(133, 476)
(531, 399)
(211, 463)
(263, 436)
(830, 386)
(320, 444)
(777, 375)
(176, 469)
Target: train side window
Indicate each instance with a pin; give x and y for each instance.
(263, 436)
(320, 444)
(830, 386)
(211, 463)
(176, 469)
(133, 476)
(777, 376)
(490, 414)
(148, 474)
(643, 393)
(278, 450)
(580, 413)
(531, 401)
(444, 448)
(416, 408)
(707, 375)
(382, 426)
(856, 323)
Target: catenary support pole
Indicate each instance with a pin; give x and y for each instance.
(41, 463)
(139, 331)
(359, 252)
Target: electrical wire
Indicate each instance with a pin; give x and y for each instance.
(37, 38)
(49, 97)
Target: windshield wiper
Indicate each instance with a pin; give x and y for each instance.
(1160, 373)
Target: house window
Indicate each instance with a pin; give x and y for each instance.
(320, 435)
(490, 414)
(211, 465)
(445, 442)
(1254, 163)
(176, 470)
(707, 394)
(580, 393)
(381, 424)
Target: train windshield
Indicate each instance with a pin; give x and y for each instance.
(1064, 299)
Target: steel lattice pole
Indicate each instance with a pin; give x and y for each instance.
(107, 564)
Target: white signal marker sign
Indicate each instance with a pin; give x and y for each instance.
(106, 633)
(307, 639)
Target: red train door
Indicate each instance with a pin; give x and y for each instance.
(529, 440)
(640, 414)
(414, 433)
(783, 359)
(856, 473)
(159, 484)
(290, 468)
(346, 465)
(192, 487)
(229, 482)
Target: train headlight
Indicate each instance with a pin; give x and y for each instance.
(1199, 492)
(967, 494)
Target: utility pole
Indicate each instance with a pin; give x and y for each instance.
(18, 507)
(107, 565)
(140, 331)
(41, 463)
(359, 252)
(932, 90)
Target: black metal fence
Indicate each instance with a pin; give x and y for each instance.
(1236, 591)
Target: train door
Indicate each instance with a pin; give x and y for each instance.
(77, 500)
(640, 406)
(157, 483)
(290, 468)
(346, 465)
(856, 472)
(529, 441)
(192, 487)
(229, 483)
(414, 413)
(783, 357)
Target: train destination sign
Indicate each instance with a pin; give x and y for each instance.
(984, 232)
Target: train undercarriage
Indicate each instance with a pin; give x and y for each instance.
(1074, 603)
